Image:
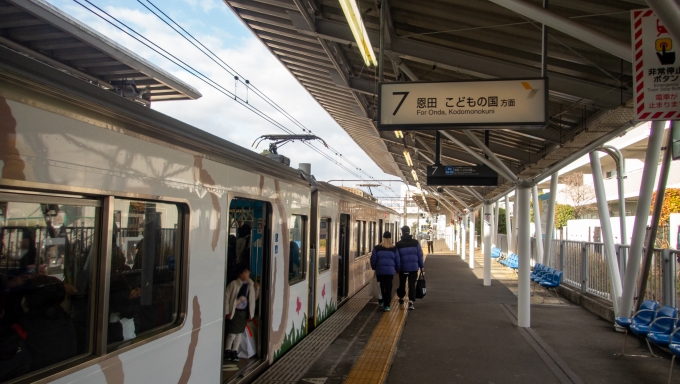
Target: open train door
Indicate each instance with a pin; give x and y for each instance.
(313, 247)
(248, 245)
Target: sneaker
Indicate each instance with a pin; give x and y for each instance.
(381, 303)
(387, 308)
(234, 355)
(401, 301)
(410, 305)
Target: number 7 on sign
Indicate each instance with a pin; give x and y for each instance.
(401, 102)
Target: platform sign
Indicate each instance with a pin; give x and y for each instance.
(471, 176)
(656, 67)
(485, 104)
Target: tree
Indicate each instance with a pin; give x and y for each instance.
(563, 213)
(671, 204)
(582, 196)
(501, 222)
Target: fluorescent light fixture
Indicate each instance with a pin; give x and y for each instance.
(399, 134)
(353, 15)
(415, 175)
(418, 186)
(407, 156)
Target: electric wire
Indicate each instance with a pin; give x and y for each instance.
(203, 78)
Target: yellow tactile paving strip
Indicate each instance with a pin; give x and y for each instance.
(374, 362)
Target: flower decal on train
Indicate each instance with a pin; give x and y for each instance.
(323, 292)
(298, 305)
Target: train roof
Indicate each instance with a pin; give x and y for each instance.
(27, 73)
(342, 193)
(42, 31)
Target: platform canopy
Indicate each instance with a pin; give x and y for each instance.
(43, 32)
(590, 94)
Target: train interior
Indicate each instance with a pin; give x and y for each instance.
(249, 226)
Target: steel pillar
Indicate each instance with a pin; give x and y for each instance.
(641, 215)
(524, 253)
(538, 230)
(471, 259)
(550, 222)
(656, 217)
(620, 176)
(381, 52)
(494, 232)
(515, 225)
(607, 234)
(487, 223)
(508, 223)
(462, 236)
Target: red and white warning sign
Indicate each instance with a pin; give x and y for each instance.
(656, 68)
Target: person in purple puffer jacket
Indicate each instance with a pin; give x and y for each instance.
(411, 260)
(386, 263)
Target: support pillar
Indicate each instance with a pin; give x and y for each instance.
(550, 223)
(487, 223)
(471, 259)
(607, 234)
(462, 236)
(515, 226)
(524, 252)
(538, 230)
(641, 215)
(494, 225)
(508, 224)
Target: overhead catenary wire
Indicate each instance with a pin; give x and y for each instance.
(222, 64)
(188, 68)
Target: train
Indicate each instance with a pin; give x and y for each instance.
(119, 226)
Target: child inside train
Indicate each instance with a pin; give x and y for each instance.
(239, 306)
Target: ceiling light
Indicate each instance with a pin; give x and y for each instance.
(407, 156)
(418, 186)
(399, 134)
(415, 175)
(353, 15)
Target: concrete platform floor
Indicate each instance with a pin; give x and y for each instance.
(463, 332)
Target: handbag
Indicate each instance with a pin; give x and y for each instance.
(421, 288)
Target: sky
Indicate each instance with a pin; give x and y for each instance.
(215, 25)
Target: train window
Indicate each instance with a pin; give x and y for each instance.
(145, 259)
(381, 230)
(363, 237)
(324, 244)
(357, 234)
(47, 251)
(297, 226)
(373, 235)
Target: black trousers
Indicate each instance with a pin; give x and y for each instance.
(401, 291)
(386, 288)
(430, 246)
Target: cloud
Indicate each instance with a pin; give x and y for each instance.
(217, 113)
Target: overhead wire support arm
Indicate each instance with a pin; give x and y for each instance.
(507, 173)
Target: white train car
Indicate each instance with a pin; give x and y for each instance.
(118, 232)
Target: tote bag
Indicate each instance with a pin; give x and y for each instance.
(421, 289)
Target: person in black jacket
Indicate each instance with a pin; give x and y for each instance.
(411, 255)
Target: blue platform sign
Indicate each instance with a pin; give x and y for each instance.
(449, 171)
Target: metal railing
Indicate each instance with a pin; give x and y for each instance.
(585, 268)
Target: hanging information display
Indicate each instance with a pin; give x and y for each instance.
(472, 176)
(485, 104)
(656, 67)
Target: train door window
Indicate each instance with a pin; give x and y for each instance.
(324, 244)
(146, 259)
(381, 230)
(48, 264)
(357, 237)
(363, 238)
(297, 226)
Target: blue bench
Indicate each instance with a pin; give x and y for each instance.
(495, 253)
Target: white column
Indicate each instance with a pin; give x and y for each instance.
(607, 234)
(515, 225)
(494, 225)
(508, 228)
(471, 259)
(462, 236)
(641, 216)
(524, 252)
(538, 227)
(487, 223)
(550, 223)
(458, 236)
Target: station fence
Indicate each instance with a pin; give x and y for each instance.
(584, 267)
